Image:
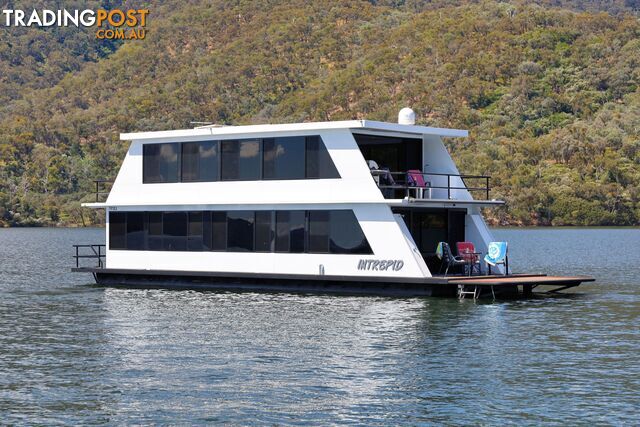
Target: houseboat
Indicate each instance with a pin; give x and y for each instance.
(354, 206)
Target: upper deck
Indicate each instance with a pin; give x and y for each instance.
(293, 164)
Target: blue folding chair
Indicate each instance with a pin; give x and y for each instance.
(497, 254)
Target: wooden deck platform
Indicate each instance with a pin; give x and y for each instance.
(519, 279)
(527, 282)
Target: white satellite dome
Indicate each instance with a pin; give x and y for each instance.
(407, 116)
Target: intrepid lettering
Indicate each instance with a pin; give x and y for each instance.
(380, 265)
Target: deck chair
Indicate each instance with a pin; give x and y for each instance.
(443, 252)
(497, 254)
(415, 178)
(467, 251)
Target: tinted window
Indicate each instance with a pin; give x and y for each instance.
(240, 231)
(160, 162)
(117, 230)
(284, 158)
(174, 230)
(264, 231)
(135, 231)
(154, 231)
(207, 232)
(319, 231)
(241, 160)
(282, 231)
(319, 163)
(345, 234)
(194, 232)
(200, 161)
(218, 231)
(244, 231)
(290, 226)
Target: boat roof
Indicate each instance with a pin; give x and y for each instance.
(366, 125)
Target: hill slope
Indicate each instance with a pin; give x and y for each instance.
(550, 97)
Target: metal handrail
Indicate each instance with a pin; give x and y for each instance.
(101, 188)
(98, 251)
(407, 187)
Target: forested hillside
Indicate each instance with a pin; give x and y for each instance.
(550, 95)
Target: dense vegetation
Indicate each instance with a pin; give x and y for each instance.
(550, 95)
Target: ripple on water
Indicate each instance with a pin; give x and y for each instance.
(81, 354)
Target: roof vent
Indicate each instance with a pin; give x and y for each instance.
(406, 116)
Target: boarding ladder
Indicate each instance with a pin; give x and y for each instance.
(463, 292)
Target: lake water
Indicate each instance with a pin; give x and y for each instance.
(78, 354)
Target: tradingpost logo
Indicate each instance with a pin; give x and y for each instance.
(117, 24)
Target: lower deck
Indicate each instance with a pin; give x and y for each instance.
(514, 285)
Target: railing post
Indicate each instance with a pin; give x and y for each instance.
(448, 187)
(77, 258)
(487, 187)
(406, 185)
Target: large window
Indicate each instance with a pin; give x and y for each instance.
(174, 231)
(160, 162)
(291, 157)
(117, 230)
(345, 234)
(240, 231)
(135, 231)
(290, 236)
(241, 160)
(200, 161)
(319, 163)
(264, 231)
(284, 158)
(295, 231)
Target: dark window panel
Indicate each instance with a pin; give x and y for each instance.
(160, 162)
(318, 160)
(209, 161)
(240, 227)
(174, 230)
(117, 230)
(290, 231)
(154, 231)
(319, 232)
(194, 230)
(284, 158)
(136, 235)
(345, 234)
(297, 220)
(265, 233)
(207, 231)
(241, 160)
(218, 231)
(191, 161)
(200, 161)
(282, 231)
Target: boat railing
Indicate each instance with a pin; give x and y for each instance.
(91, 251)
(102, 188)
(402, 181)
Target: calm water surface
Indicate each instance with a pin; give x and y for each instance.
(78, 354)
